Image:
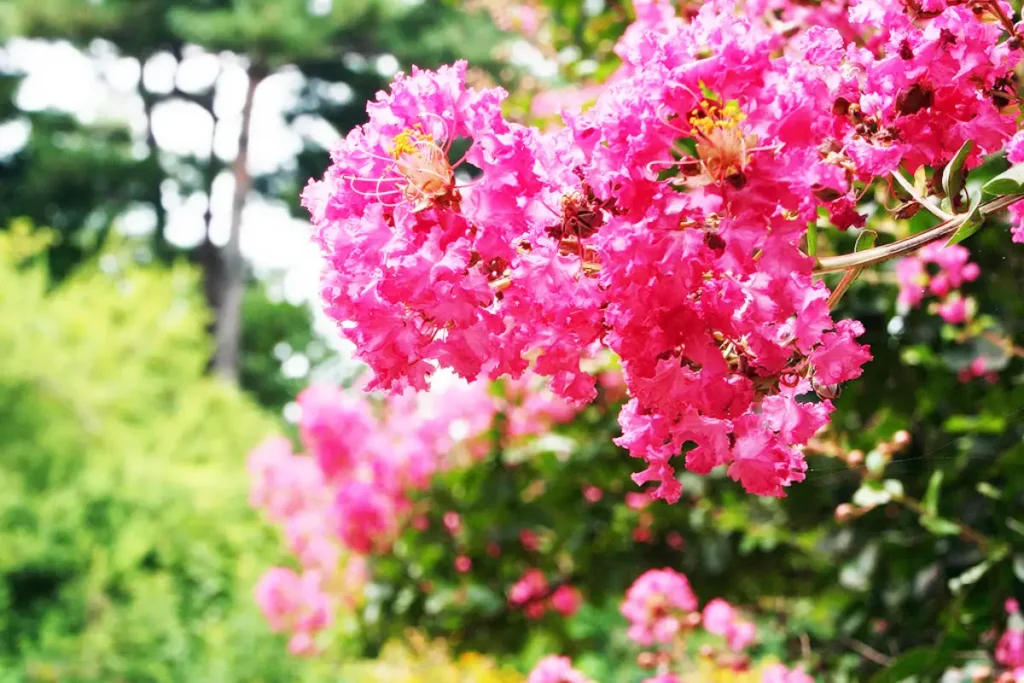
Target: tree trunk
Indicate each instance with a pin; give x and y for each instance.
(228, 330)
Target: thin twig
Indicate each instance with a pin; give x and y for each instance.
(967, 533)
(866, 651)
(844, 284)
(908, 245)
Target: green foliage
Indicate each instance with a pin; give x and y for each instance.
(129, 551)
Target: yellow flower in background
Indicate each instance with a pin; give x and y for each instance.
(420, 661)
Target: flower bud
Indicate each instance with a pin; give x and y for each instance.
(646, 660)
(901, 439)
(844, 512)
(855, 458)
(982, 673)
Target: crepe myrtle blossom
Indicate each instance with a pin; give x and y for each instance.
(555, 669)
(1009, 651)
(666, 223)
(658, 605)
(663, 614)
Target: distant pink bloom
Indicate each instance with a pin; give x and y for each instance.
(566, 600)
(554, 669)
(778, 673)
(452, 522)
(656, 605)
(528, 539)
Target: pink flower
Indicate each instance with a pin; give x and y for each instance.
(718, 616)
(656, 605)
(333, 426)
(452, 522)
(302, 644)
(637, 501)
(531, 586)
(1017, 223)
(721, 619)
(954, 310)
(554, 669)
(566, 600)
(778, 673)
(663, 678)
(295, 603)
(1015, 148)
(741, 635)
(463, 564)
(954, 270)
(366, 517)
(1010, 649)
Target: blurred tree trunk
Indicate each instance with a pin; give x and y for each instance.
(228, 276)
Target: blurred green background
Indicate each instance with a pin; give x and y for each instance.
(156, 323)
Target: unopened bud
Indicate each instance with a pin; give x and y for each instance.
(855, 458)
(692, 620)
(646, 660)
(901, 439)
(844, 511)
(982, 673)
(706, 651)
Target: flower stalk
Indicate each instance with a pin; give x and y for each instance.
(908, 245)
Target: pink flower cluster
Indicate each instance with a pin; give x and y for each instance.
(665, 223)
(663, 613)
(555, 669)
(778, 673)
(952, 269)
(659, 605)
(347, 496)
(975, 369)
(1009, 652)
(721, 619)
(297, 604)
(1015, 155)
(533, 595)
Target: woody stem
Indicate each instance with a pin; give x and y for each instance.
(908, 245)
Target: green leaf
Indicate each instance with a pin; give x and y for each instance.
(812, 238)
(989, 491)
(939, 526)
(1010, 181)
(953, 176)
(913, 663)
(865, 240)
(975, 424)
(1018, 566)
(930, 502)
(970, 576)
(972, 223)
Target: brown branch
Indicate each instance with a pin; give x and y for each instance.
(908, 245)
(967, 533)
(866, 651)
